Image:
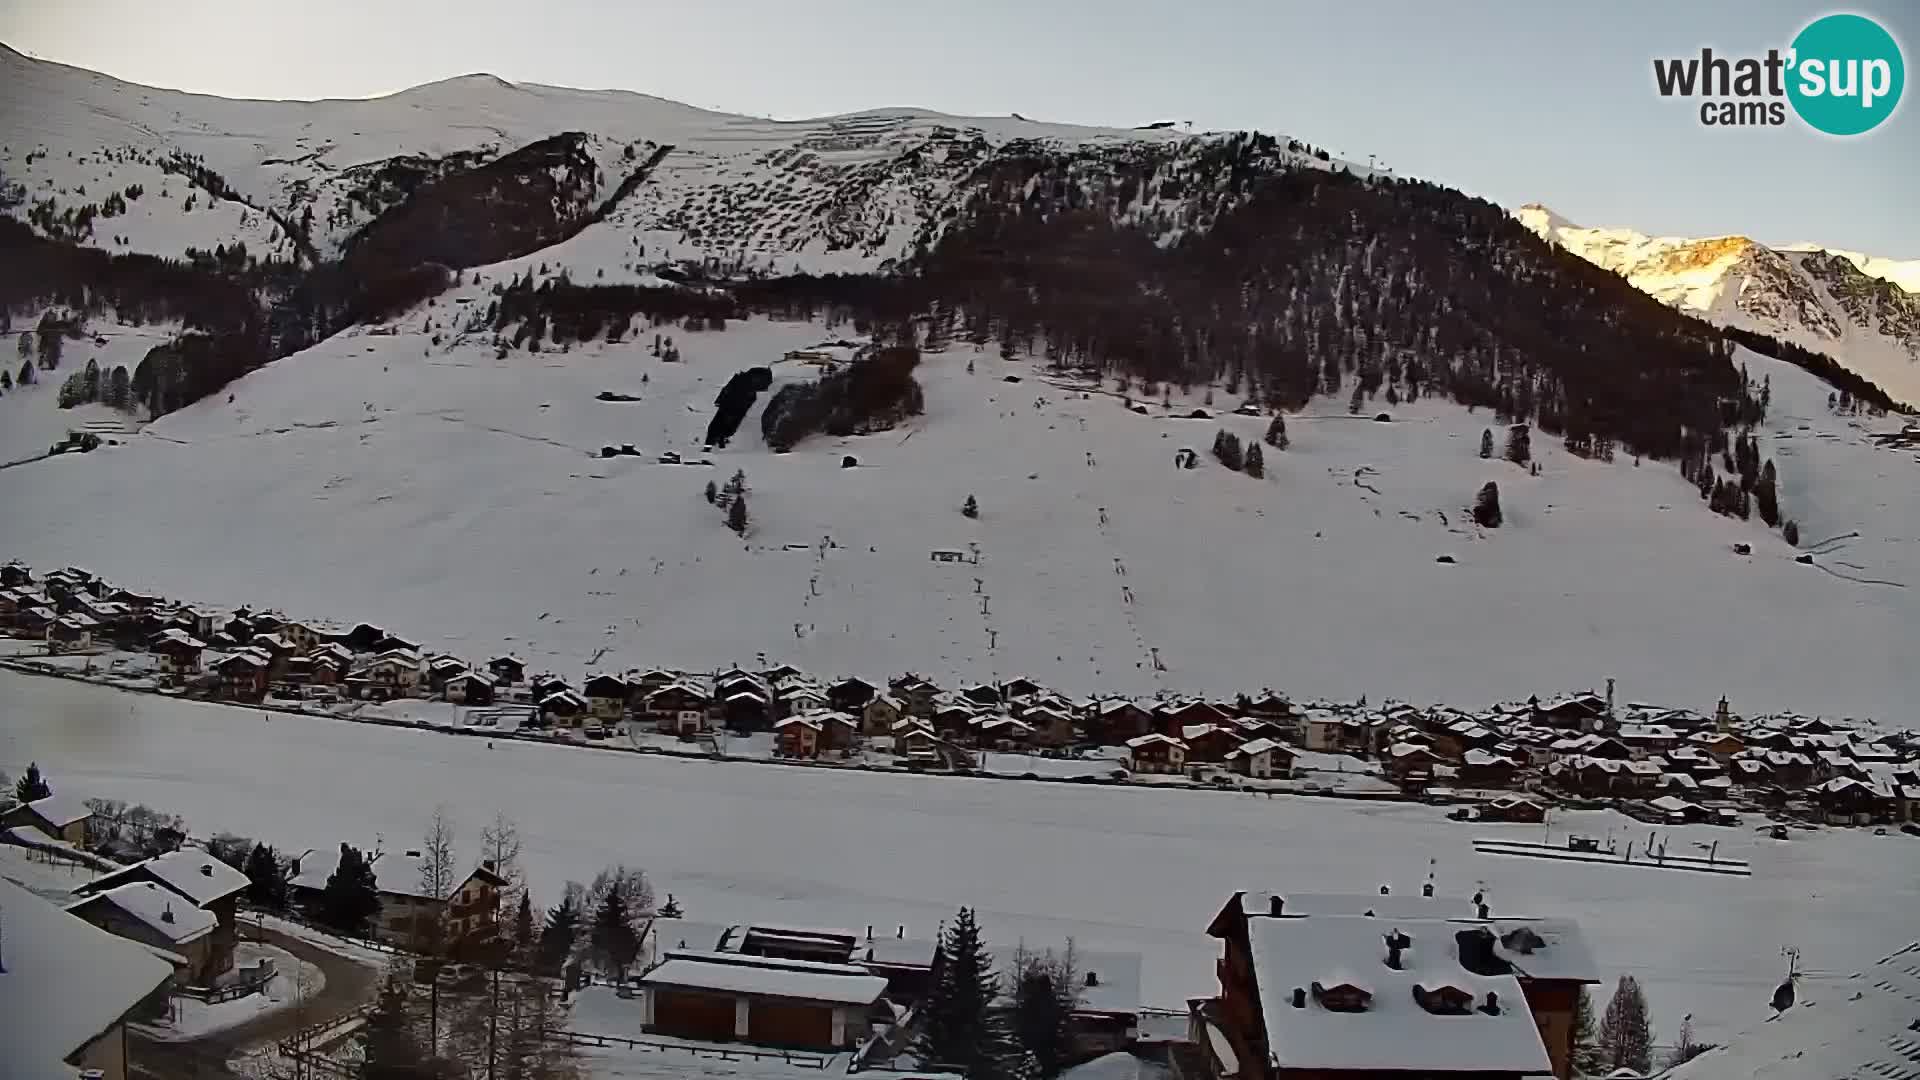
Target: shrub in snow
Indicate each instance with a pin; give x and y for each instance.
(1486, 506)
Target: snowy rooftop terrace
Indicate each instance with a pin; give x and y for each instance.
(1295, 959)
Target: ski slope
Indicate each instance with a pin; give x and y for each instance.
(449, 495)
(1114, 868)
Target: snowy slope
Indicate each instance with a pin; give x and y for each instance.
(1115, 869)
(453, 495)
(1862, 311)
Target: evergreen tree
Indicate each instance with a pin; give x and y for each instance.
(1519, 444)
(557, 937)
(1046, 989)
(90, 379)
(31, 786)
(713, 494)
(1626, 1034)
(1255, 466)
(1766, 495)
(266, 879)
(614, 940)
(523, 921)
(119, 390)
(73, 392)
(6, 381)
(350, 899)
(670, 909)
(26, 377)
(1486, 443)
(1226, 448)
(1277, 433)
(737, 515)
(1586, 1055)
(1790, 532)
(961, 1030)
(1486, 506)
(970, 508)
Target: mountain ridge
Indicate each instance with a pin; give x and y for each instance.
(1820, 299)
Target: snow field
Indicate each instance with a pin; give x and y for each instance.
(1114, 868)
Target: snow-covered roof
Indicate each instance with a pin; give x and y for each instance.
(60, 810)
(177, 637)
(1259, 746)
(688, 934)
(189, 872)
(396, 872)
(1391, 906)
(1117, 975)
(1152, 738)
(1395, 1032)
(1860, 1025)
(1119, 1065)
(166, 914)
(1486, 758)
(841, 984)
(65, 982)
(797, 722)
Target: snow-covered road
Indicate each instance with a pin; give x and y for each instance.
(1113, 867)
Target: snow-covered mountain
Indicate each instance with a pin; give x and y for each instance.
(1861, 310)
(375, 335)
(669, 181)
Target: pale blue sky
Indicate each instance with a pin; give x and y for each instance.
(1515, 101)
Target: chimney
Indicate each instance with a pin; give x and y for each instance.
(1393, 953)
(869, 956)
(1492, 1007)
(1385, 891)
(206, 869)
(1299, 997)
(1609, 699)
(1093, 978)
(901, 933)
(487, 865)
(1427, 890)
(1485, 911)
(869, 931)
(1276, 905)
(413, 853)
(166, 915)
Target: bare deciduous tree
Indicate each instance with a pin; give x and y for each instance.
(500, 845)
(436, 856)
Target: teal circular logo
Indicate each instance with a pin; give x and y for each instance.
(1847, 74)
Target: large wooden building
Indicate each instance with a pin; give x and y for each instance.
(719, 996)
